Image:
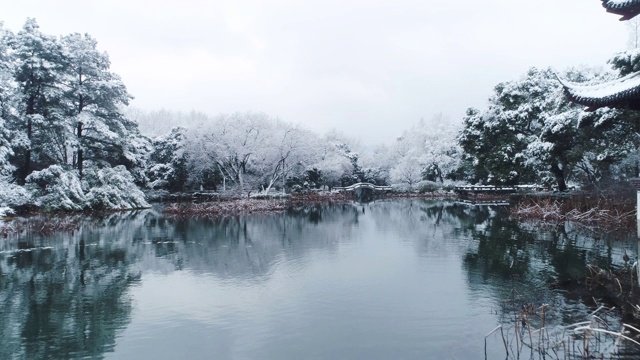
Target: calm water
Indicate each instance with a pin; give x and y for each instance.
(404, 279)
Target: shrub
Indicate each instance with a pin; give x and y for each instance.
(426, 186)
(12, 195)
(101, 189)
(113, 189)
(56, 189)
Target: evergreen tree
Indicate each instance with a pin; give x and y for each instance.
(531, 133)
(167, 168)
(37, 61)
(92, 99)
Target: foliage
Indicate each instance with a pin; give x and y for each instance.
(530, 133)
(56, 189)
(60, 108)
(108, 188)
(428, 186)
(12, 195)
(113, 188)
(167, 167)
(310, 179)
(250, 150)
(427, 151)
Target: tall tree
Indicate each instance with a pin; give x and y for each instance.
(93, 96)
(232, 143)
(7, 95)
(289, 149)
(38, 62)
(432, 146)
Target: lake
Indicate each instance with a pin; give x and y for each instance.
(391, 279)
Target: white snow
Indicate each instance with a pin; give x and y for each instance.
(620, 3)
(605, 90)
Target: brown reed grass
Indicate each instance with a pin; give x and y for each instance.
(225, 208)
(590, 211)
(528, 335)
(44, 225)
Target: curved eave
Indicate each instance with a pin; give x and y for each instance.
(625, 8)
(623, 93)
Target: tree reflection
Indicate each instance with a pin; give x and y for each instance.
(497, 252)
(62, 302)
(244, 247)
(68, 295)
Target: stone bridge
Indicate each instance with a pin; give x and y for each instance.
(361, 185)
(363, 190)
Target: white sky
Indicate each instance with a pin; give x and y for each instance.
(369, 68)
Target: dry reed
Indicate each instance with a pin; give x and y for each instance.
(225, 208)
(44, 225)
(605, 214)
(593, 338)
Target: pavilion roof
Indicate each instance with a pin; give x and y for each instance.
(623, 93)
(626, 8)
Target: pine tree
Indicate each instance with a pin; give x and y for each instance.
(93, 96)
(37, 62)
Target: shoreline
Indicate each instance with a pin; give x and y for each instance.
(259, 204)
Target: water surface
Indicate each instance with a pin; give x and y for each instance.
(405, 279)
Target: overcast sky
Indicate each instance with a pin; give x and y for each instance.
(369, 68)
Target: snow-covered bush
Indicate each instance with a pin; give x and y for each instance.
(12, 194)
(6, 211)
(157, 175)
(101, 189)
(401, 188)
(114, 189)
(56, 189)
(428, 186)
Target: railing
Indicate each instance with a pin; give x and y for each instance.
(491, 188)
(484, 202)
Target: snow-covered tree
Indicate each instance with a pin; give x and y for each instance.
(530, 132)
(431, 146)
(161, 122)
(7, 103)
(250, 150)
(93, 96)
(38, 125)
(231, 143)
(408, 171)
(338, 159)
(112, 188)
(633, 28)
(60, 109)
(55, 188)
(167, 167)
(289, 149)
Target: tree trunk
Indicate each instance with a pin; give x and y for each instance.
(559, 174)
(27, 154)
(438, 173)
(79, 130)
(80, 158)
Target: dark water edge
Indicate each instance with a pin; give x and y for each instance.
(407, 278)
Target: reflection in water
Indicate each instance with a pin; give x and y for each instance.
(65, 296)
(403, 279)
